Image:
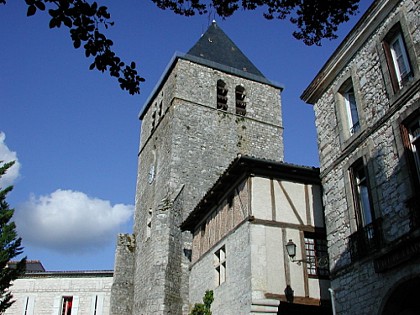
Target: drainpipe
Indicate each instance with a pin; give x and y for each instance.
(332, 299)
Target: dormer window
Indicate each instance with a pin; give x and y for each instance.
(240, 100)
(222, 95)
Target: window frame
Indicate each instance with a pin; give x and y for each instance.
(221, 93)
(352, 110)
(401, 55)
(412, 159)
(411, 142)
(397, 24)
(220, 266)
(316, 254)
(367, 233)
(240, 103)
(359, 201)
(398, 80)
(348, 127)
(66, 305)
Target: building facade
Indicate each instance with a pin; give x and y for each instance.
(240, 231)
(210, 105)
(366, 100)
(41, 292)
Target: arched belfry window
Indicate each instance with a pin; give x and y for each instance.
(240, 100)
(222, 95)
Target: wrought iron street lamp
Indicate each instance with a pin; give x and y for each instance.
(291, 251)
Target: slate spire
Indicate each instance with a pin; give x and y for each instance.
(214, 45)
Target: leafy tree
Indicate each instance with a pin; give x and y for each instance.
(204, 308)
(10, 247)
(314, 19)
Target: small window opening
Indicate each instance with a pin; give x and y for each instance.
(154, 117)
(67, 305)
(149, 223)
(222, 95)
(240, 100)
(230, 201)
(160, 109)
(220, 265)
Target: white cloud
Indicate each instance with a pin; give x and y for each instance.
(6, 155)
(70, 221)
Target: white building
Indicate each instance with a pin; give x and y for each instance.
(41, 292)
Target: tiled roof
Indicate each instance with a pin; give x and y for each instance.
(214, 45)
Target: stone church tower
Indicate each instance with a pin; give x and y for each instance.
(210, 105)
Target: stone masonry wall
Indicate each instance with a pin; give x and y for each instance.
(190, 147)
(234, 295)
(122, 292)
(359, 289)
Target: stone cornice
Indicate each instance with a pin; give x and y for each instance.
(357, 37)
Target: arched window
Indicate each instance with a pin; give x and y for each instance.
(240, 100)
(222, 95)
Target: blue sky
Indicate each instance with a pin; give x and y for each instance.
(75, 134)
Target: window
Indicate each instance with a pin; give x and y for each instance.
(95, 305)
(350, 113)
(149, 223)
(316, 255)
(220, 266)
(222, 95)
(410, 132)
(414, 146)
(368, 235)
(154, 118)
(160, 109)
(240, 100)
(66, 305)
(361, 194)
(28, 305)
(397, 58)
(351, 110)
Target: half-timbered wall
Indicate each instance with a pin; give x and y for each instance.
(243, 239)
(221, 220)
(284, 210)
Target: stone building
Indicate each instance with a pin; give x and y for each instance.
(240, 229)
(366, 102)
(41, 292)
(210, 105)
